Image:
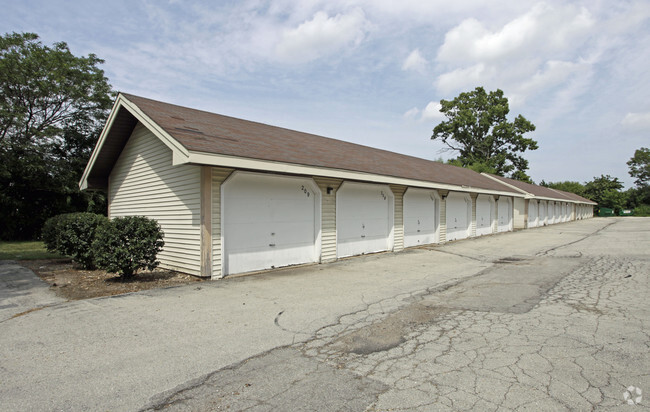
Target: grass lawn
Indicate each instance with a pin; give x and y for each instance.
(25, 250)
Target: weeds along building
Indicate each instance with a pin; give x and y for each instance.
(236, 196)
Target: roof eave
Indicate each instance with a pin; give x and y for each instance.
(121, 102)
(529, 195)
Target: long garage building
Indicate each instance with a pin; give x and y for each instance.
(235, 196)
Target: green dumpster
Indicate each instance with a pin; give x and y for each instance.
(605, 211)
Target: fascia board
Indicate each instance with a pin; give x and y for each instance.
(555, 199)
(201, 158)
(83, 182)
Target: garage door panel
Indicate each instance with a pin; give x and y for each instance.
(420, 213)
(363, 219)
(532, 214)
(458, 216)
(484, 213)
(268, 221)
(542, 213)
(504, 212)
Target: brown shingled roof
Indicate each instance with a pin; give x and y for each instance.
(205, 132)
(541, 191)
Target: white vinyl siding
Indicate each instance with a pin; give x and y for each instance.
(472, 230)
(143, 182)
(398, 192)
(519, 213)
(443, 215)
(328, 213)
(218, 177)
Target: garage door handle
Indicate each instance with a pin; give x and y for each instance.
(271, 244)
(362, 236)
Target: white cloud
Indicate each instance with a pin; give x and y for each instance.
(637, 121)
(432, 112)
(533, 52)
(412, 113)
(415, 62)
(542, 29)
(468, 77)
(322, 36)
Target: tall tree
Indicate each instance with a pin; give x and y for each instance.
(606, 191)
(52, 108)
(567, 186)
(478, 129)
(640, 166)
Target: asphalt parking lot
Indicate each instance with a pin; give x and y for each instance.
(553, 318)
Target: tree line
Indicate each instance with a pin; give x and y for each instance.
(608, 191)
(54, 105)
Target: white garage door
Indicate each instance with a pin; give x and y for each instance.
(269, 221)
(459, 215)
(532, 213)
(484, 213)
(364, 219)
(420, 217)
(557, 218)
(542, 213)
(504, 207)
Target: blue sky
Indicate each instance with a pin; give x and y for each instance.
(373, 71)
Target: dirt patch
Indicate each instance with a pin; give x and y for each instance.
(71, 282)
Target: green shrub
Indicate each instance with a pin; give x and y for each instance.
(72, 235)
(643, 210)
(126, 244)
(50, 231)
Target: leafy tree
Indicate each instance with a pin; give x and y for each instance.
(478, 129)
(52, 108)
(638, 196)
(640, 166)
(479, 167)
(605, 190)
(567, 186)
(522, 176)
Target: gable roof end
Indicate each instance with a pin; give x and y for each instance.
(118, 128)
